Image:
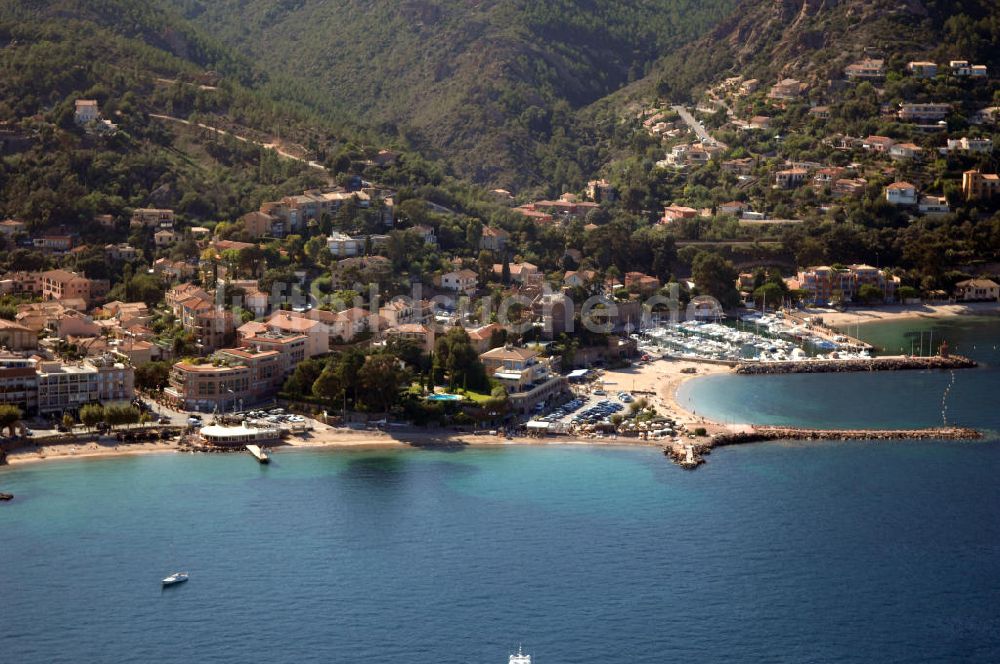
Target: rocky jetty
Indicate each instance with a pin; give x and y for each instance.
(895, 363)
(761, 434)
(690, 455)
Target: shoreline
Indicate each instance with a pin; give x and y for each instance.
(341, 440)
(901, 312)
(657, 381)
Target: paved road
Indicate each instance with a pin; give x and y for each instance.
(696, 126)
(222, 132)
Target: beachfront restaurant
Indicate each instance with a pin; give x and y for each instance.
(237, 436)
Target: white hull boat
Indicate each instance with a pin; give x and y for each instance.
(174, 579)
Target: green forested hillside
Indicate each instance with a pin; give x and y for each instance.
(814, 39)
(492, 86)
(57, 175)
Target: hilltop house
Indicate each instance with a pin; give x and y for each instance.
(790, 178)
(494, 239)
(923, 69)
(867, 69)
(520, 272)
(87, 111)
(977, 185)
(922, 112)
(787, 89)
(968, 145)
(151, 218)
(933, 205)
(901, 193)
(461, 281)
(672, 213)
(877, 143)
(905, 151)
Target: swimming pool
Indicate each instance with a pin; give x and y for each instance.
(445, 397)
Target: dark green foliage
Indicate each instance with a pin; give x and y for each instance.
(152, 375)
(456, 361)
(493, 86)
(715, 276)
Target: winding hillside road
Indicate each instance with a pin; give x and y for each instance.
(697, 127)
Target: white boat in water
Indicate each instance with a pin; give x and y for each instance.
(175, 578)
(520, 657)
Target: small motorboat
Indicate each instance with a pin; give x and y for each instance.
(175, 578)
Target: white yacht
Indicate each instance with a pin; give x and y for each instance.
(175, 578)
(520, 657)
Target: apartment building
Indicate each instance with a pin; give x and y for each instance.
(315, 331)
(527, 377)
(67, 387)
(825, 285)
(19, 384)
(234, 377)
(65, 285)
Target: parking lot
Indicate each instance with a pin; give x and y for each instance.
(274, 417)
(586, 409)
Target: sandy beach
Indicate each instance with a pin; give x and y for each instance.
(82, 450)
(322, 437)
(893, 312)
(659, 382)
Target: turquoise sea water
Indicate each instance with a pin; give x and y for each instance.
(881, 399)
(791, 552)
(846, 552)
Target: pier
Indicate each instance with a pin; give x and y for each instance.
(690, 455)
(259, 453)
(888, 363)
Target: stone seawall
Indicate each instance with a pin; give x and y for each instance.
(896, 363)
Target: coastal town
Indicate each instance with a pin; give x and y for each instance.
(455, 330)
(353, 302)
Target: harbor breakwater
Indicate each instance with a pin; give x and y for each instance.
(763, 434)
(890, 363)
(690, 455)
